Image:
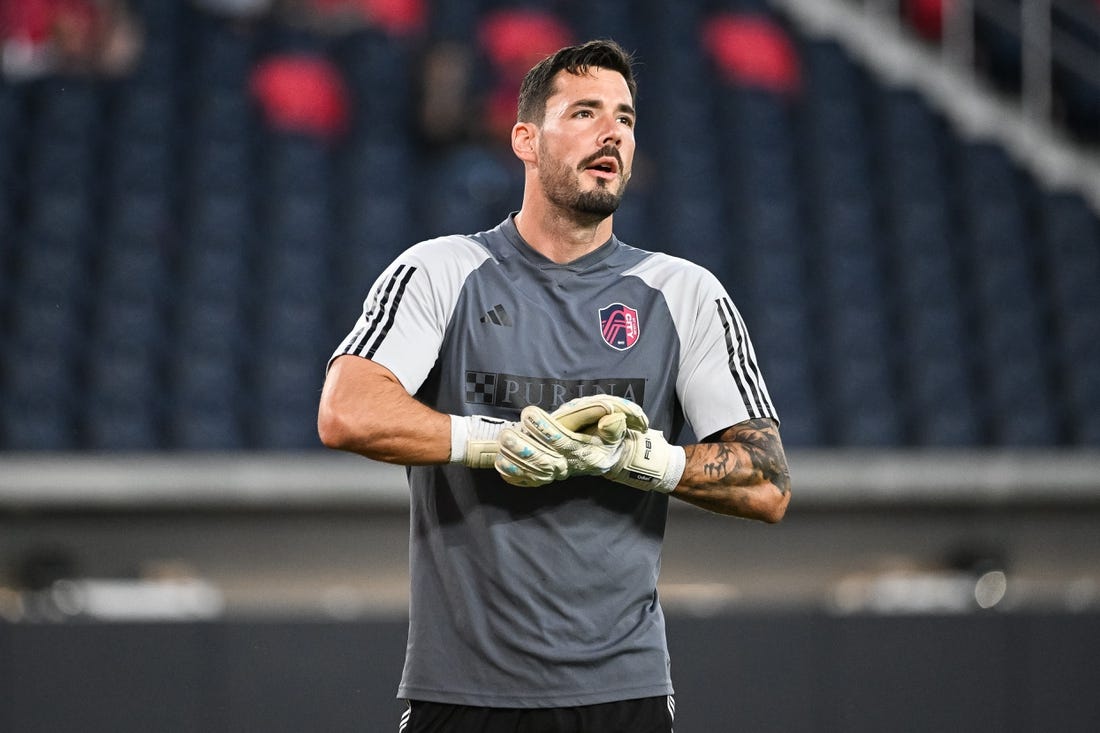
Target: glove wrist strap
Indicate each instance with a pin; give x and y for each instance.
(677, 461)
(474, 440)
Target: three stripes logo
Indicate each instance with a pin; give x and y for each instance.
(378, 318)
(497, 316)
(742, 361)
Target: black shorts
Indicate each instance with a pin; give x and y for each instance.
(645, 715)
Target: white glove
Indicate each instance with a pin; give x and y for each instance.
(619, 446)
(528, 459)
(474, 439)
(648, 462)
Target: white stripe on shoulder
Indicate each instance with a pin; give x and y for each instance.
(687, 288)
(444, 253)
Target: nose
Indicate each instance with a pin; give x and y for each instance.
(611, 134)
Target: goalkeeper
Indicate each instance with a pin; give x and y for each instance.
(550, 388)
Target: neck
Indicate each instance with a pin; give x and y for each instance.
(561, 236)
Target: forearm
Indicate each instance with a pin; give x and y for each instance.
(365, 410)
(744, 473)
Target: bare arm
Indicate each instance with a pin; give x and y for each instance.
(742, 473)
(365, 409)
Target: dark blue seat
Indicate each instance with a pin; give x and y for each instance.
(791, 384)
(120, 425)
(694, 227)
(293, 274)
(293, 327)
(120, 371)
(69, 108)
(856, 331)
(219, 167)
(38, 395)
(850, 279)
(43, 321)
(948, 426)
(218, 217)
(935, 329)
(61, 167)
(38, 371)
(221, 114)
(28, 425)
(221, 55)
(286, 385)
(202, 378)
(62, 215)
(468, 190)
(372, 234)
(204, 428)
(208, 269)
(123, 397)
(933, 385)
(132, 270)
(144, 114)
(54, 269)
(130, 320)
(210, 322)
(296, 165)
(138, 222)
(376, 166)
(142, 168)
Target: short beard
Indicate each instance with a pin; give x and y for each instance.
(563, 190)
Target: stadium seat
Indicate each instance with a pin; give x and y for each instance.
(205, 428)
(141, 167)
(68, 108)
(120, 425)
(41, 321)
(62, 215)
(53, 269)
(221, 114)
(60, 166)
(30, 425)
(218, 167)
(128, 319)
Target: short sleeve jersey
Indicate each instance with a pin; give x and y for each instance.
(547, 597)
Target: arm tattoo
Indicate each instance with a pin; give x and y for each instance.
(759, 438)
(720, 466)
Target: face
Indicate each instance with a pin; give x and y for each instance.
(586, 143)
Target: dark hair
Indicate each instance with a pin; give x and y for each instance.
(538, 84)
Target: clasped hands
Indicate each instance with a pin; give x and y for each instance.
(599, 435)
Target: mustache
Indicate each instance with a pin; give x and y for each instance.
(607, 151)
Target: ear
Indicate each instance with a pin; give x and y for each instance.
(524, 141)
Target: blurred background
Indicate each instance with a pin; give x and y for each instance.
(901, 196)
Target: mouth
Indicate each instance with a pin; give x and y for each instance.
(604, 167)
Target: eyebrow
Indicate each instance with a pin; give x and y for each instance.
(597, 104)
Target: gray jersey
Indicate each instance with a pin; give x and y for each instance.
(546, 597)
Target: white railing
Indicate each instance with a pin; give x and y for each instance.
(873, 31)
(326, 480)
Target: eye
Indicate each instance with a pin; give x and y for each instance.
(583, 113)
(628, 121)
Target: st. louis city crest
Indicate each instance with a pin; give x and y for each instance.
(619, 326)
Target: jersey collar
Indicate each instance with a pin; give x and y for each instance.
(596, 256)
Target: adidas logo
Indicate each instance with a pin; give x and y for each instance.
(497, 316)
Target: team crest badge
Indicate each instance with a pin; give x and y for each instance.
(619, 326)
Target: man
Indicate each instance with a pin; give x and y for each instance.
(550, 350)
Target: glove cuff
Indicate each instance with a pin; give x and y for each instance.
(677, 460)
(474, 440)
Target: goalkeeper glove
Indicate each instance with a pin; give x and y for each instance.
(527, 460)
(620, 446)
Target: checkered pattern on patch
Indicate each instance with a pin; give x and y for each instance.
(481, 388)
